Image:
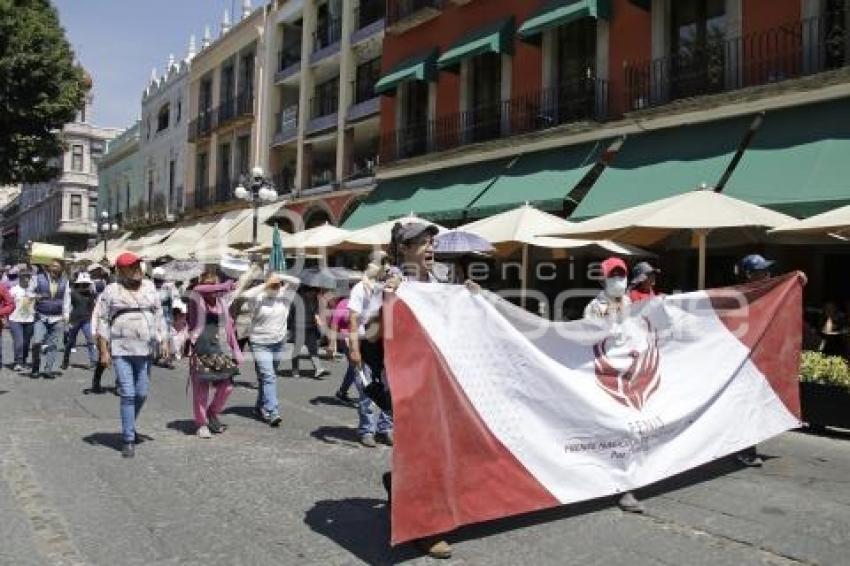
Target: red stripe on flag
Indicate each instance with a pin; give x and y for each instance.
(770, 324)
(448, 467)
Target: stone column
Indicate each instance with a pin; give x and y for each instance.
(306, 84)
(347, 67)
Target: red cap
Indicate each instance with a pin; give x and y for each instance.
(127, 259)
(612, 263)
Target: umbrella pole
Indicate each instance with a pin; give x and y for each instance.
(701, 235)
(524, 274)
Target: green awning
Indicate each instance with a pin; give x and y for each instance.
(663, 163)
(440, 195)
(561, 12)
(542, 178)
(422, 68)
(799, 160)
(493, 39)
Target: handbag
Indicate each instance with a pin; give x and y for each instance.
(214, 367)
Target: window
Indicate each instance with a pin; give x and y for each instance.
(171, 177)
(698, 36)
(76, 207)
(179, 112)
(486, 94)
(93, 212)
(367, 75)
(163, 118)
(243, 155)
(327, 98)
(77, 158)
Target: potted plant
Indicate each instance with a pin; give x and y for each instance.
(825, 390)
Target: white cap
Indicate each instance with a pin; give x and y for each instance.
(158, 273)
(83, 278)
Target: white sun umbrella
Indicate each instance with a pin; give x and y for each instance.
(835, 221)
(318, 238)
(379, 235)
(697, 212)
(182, 242)
(521, 228)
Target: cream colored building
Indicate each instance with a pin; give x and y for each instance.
(226, 109)
(324, 57)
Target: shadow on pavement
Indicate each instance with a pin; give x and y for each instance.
(245, 384)
(246, 412)
(186, 426)
(825, 432)
(328, 400)
(108, 439)
(360, 526)
(3, 392)
(336, 434)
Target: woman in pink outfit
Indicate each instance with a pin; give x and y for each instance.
(212, 339)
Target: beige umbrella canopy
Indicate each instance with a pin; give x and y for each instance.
(379, 235)
(318, 238)
(521, 228)
(835, 221)
(698, 212)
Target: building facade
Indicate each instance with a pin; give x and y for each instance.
(64, 210)
(486, 105)
(121, 189)
(162, 138)
(226, 110)
(326, 59)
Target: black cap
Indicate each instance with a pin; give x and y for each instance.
(413, 230)
(641, 271)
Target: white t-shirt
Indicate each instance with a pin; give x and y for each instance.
(269, 313)
(24, 304)
(365, 304)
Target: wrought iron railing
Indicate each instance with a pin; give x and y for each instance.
(245, 103)
(327, 34)
(784, 52)
(226, 111)
(398, 10)
(203, 125)
(574, 101)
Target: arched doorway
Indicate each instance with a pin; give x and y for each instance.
(317, 217)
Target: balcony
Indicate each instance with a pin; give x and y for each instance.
(202, 126)
(289, 62)
(326, 40)
(287, 126)
(245, 104)
(576, 101)
(226, 111)
(786, 52)
(323, 114)
(370, 19)
(366, 102)
(403, 15)
(321, 181)
(362, 172)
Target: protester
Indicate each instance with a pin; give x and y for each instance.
(22, 319)
(643, 282)
(338, 334)
(131, 332)
(366, 352)
(52, 312)
(611, 305)
(214, 349)
(99, 276)
(269, 305)
(7, 307)
(308, 333)
(83, 298)
(179, 330)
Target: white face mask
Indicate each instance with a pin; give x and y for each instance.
(615, 287)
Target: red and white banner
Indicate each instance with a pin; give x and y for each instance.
(498, 413)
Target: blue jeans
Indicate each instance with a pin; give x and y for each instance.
(350, 373)
(266, 360)
(46, 335)
(21, 337)
(133, 376)
(85, 327)
(371, 419)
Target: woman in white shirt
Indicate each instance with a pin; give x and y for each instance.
(269, 307)
(22, 319)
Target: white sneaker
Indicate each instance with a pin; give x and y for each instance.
(204, 432)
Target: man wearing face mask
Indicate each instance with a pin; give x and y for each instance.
(131, 332)
(612, 304)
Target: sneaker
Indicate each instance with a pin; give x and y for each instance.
(215, 425)
(55, 374)
(368, 440)
(629, 503)
(260, 414)
(47, 375)
(64, 365)
(750, 460)
(204, 432)
(435, 548)
(275, 420)
(129, 450)
(386, 437)
(344, 398)
(17, 367)
(320, 373)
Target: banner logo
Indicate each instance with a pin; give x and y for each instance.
(627, 364)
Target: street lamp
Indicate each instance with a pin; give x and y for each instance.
(104, 228)
(259, 189)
